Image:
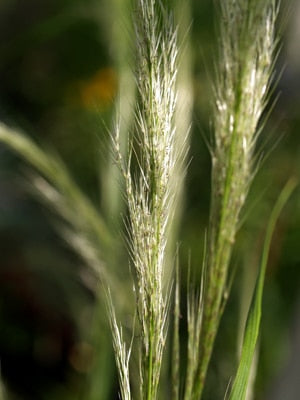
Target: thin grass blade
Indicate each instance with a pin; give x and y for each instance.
(176, 340)
(239, 388)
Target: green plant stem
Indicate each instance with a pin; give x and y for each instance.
(151, 196)
(176, 340)
(247, 45)
(221, 242)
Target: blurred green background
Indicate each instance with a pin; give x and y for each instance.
(62, 66)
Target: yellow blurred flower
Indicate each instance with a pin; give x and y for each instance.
(99, 90)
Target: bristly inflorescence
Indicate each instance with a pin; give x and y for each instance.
(150, 190)
(247, 48)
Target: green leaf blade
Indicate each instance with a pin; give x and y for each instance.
(239, 388)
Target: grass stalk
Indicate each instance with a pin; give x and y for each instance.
(194, 317)
(150, 193)
(122, 354)
(176, 339)
(247, 47)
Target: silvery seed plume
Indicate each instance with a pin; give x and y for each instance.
(247, 44)
(150, 191)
